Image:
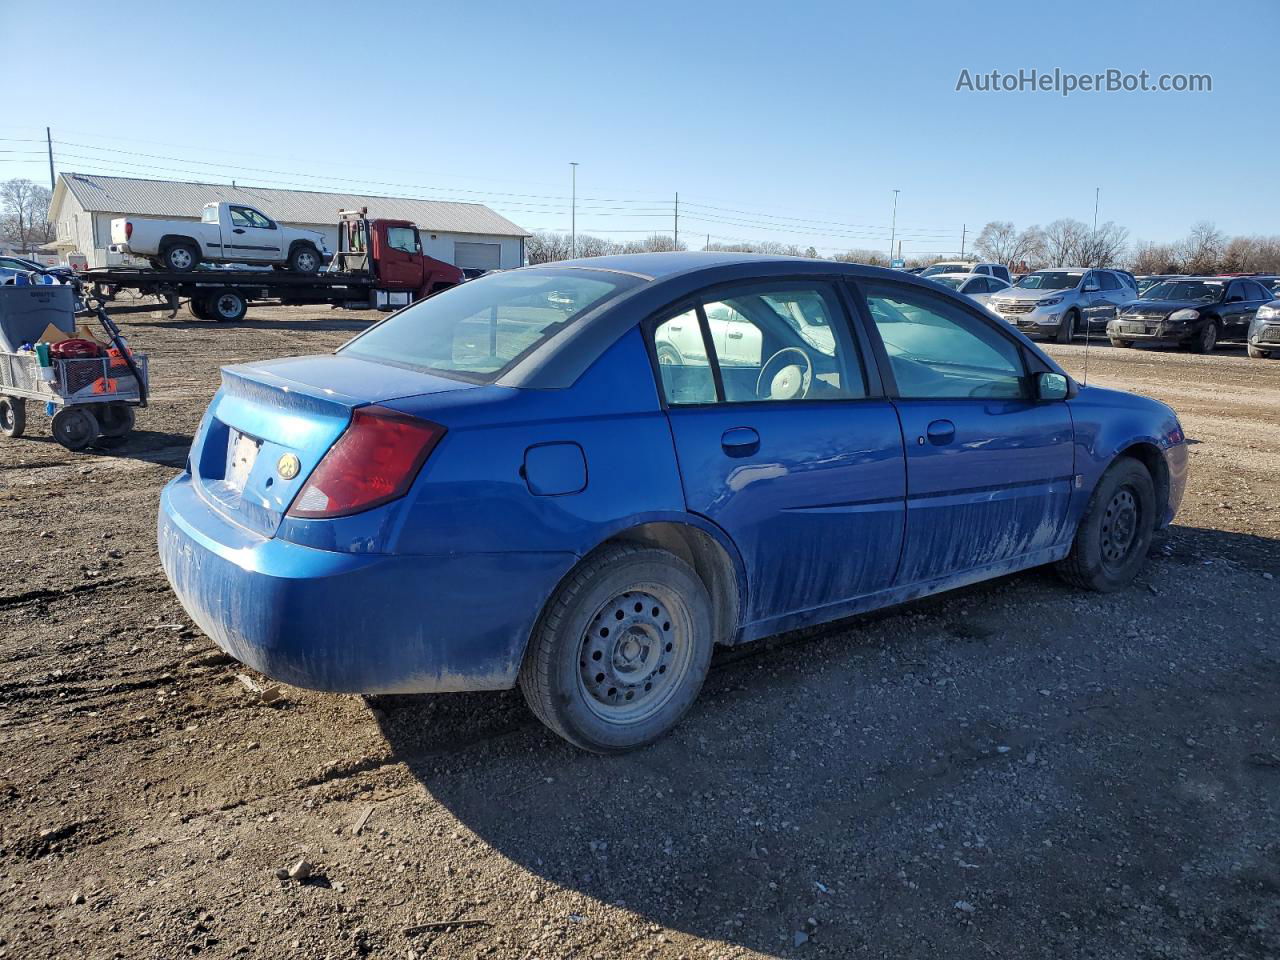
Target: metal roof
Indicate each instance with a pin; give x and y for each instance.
(172, 198)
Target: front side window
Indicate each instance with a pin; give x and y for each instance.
(1108, 280)
(767, 342)
(403, 239)
(479, 329)
(937, 350)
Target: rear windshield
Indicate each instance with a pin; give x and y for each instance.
(952, 282)
(946, 268)
(479, 329)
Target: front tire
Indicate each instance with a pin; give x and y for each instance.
(1207, 339)
(75, 427)
(1067, 328)
(1115, 533)
(621, 650)
(304, 259)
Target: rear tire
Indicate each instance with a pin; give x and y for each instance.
(1067, 328)
(75, 427)
(182, 257)
(116, 420)
(621, 649)
(199, 309)
(13, 416)
(1120, 343)
(1115, 533)
(226, 306)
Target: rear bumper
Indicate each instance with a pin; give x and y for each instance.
(352, 623)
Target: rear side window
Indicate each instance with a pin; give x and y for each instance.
(478, 330)
(938, 350)
(758, 343)
(1002, 273)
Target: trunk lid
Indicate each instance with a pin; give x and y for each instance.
(272, 422)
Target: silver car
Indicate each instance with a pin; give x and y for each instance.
(1064, 301)
(975, 286)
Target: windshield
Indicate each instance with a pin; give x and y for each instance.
(479, 329)
(1199, 291)
(945, 268)
(1050, 280)
(952, 282)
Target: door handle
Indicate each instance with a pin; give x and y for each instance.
(238, 230)
(734, 334)
(740, 441)
(940, 432)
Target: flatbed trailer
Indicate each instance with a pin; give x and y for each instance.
(379, 266)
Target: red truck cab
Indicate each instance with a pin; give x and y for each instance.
(391, 251)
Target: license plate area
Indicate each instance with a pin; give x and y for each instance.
(1133, 328)
(242, 454)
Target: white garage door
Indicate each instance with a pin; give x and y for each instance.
(477, 256)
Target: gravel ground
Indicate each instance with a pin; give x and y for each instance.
(1011, 770)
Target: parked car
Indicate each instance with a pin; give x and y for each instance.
(975, 286)
(502, 484)
(60, 273)
(1064, 301)
(965, 266)
(1194, 312)
(1264, 332)
(1147, 281)
(226, 233)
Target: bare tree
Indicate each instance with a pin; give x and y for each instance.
(1202, 250)
(872, 258)
(655, 243)
(1001, 242)
(1151, 258)
(1064, 241)
(1102, 247)
(24, 214)
(547, 247)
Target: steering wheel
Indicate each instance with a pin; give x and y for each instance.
(789, 380)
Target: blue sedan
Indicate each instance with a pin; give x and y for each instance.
(581, 477)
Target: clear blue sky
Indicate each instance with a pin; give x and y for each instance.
(809, 111)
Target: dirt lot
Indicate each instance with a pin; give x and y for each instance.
(1014, 770)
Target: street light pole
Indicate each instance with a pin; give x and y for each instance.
(893, 230)
(573, 212)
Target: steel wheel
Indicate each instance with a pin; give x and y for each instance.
(305, 260)
(634, 655)
(13, 416)
(1119, 528)
(180, 258)
(228, 306)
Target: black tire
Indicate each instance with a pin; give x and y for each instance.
(304, 258)
(13, 416)
(1115, 533)
(182, 257)
(629, 624)
(199, 308)
(1207, 338)
(1120, 343)
(1067, 328)
(1258, 354)
(226, 306)
(156, 263)
(75, 427)
(115, 419)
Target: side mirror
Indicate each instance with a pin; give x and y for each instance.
(1051, 386)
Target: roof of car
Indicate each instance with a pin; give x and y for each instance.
(656, 266)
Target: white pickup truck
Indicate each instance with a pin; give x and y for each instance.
(225, 233)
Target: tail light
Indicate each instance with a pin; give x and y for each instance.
(374, 462)
(128, 229)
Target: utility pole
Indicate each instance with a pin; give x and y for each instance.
(964, 233)
(49, 139)
(573, 211)
(676, 229)
(708, 246)
(893, 230)
(1096, 192)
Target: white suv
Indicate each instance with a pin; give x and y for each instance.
(997, 270)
